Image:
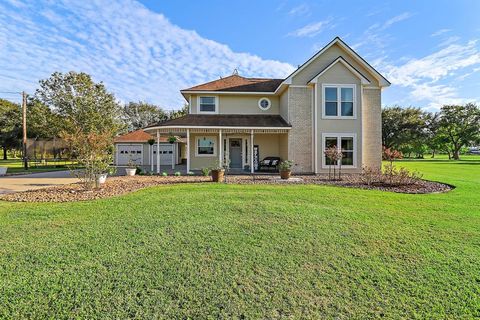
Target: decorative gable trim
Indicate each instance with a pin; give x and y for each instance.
(351, 68)
(381, 79)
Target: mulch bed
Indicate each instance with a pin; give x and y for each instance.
(121, 185)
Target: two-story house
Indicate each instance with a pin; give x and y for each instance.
(333, 99)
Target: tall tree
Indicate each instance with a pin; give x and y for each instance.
(404, 129)
(173, 114)
(10, 125)
(137, 115)
(460, 124)
(82, 103)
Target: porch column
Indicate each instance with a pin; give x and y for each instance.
(220, 147)
(188, 150)
(150, 149)
(251, 152)
(173, 156)
(158, 151)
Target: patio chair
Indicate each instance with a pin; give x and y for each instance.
(269, 163)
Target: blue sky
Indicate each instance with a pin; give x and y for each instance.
(149, 50)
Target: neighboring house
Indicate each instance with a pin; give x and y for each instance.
(134, 147)
(333, 99)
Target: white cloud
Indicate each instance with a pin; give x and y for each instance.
(300, 10)
(138, 54)
(440, 32)
(312, 29)
(424, 76)
(376, 37)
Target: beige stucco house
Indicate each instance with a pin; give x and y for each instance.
(333, 99)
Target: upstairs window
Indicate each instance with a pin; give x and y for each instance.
(338, 101)
(207, 105)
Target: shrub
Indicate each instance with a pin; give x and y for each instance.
(371, 175)
(398, 177)
(177, 174)
(190, 173)
(335, 156)
(205, 171)
(285, 165)
(164, 174)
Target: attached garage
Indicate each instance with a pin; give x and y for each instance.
(129, 152)
(167, 154)
(134, 147)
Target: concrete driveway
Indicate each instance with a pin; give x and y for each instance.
(35, 181)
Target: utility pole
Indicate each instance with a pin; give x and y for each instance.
(24, 120)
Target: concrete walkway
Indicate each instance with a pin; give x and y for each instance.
(35, 181)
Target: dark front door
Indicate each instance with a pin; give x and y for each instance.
(235, 153)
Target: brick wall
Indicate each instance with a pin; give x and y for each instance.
(300, 136)
(372, 128)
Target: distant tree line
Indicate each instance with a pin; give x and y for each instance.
(416, 132)
(65, 103)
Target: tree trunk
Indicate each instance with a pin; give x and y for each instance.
(433, 153)
(4, 152)
(456, 154)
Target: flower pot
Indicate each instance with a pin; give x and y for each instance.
(218, 175)
(285, 174)
(130, 171)
(3, 171)
(102, 178)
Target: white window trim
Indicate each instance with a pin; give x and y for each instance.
(215, 146)
(269, 103)
(339, 136)
(339, 98)
(207, 112)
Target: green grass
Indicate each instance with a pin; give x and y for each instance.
(253, 252)
(16, 166)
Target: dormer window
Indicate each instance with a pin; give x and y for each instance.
(207, 104)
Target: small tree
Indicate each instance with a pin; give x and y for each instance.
(391, 155)
(91, 153)
(334, 155)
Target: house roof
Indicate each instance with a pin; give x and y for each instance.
(139, 136)
(225, 120)
(236, 83)
(382, 80)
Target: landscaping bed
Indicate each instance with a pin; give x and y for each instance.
(120, 185)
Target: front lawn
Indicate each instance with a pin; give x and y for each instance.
(249, 251)
(16, 166)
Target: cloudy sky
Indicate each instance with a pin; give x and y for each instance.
(149, 50)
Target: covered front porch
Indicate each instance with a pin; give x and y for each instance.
(241, 149)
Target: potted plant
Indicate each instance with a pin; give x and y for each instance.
(151, 141)
(3, 171)
(218, 171)
(172, 139)
(131, 168)
(285, 168)
(104, 169)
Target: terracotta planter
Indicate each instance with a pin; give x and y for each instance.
(285, 174)
(3, 171)
(218, 175)
(130, 171)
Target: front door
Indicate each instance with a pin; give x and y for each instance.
(235, 153)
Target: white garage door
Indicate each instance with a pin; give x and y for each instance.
(166, 154)
(125, 153)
